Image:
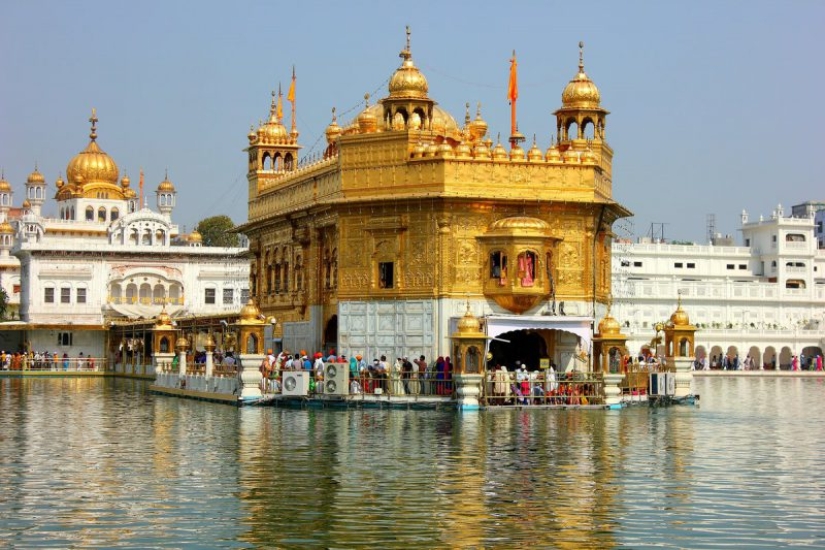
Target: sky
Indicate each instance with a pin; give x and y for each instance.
(702, 121)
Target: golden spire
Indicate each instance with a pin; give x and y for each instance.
(280, 110)
(407, 81)
(93, 120)
(581, 56)
(290, 96)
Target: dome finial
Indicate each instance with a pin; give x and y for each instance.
(93, 120)
(581, 56)
(367, 99)
(334, 118)
(467, 114)
(272, 106)
(408, 38)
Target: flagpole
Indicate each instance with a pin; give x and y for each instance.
(291, 98)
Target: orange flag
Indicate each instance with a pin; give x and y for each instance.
(291, 95)
(512, 87)
(279, 110)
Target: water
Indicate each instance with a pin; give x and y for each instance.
(91, 463)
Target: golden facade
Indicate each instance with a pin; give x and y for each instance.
(409, 216)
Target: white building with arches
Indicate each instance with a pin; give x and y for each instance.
(764, 298)
(106, 258)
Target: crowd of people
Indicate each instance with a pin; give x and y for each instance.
(523, 386)
(36, 360)
(379, 376)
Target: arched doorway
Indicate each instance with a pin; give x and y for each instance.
(526, 346)
(331, 335)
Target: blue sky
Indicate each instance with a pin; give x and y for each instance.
(704, 118)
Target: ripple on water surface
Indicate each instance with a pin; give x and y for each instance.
(102, 463)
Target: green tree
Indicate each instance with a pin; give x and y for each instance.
(217, 231)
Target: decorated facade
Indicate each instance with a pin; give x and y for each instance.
(378, 247)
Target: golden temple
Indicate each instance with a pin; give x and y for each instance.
(379, 246)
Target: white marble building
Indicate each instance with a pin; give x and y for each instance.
(105, 259)
(764, 298)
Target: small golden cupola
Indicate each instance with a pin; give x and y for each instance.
(580, 105)
(36, 177)
(408, 107)
(273, 131)
(91, 171)
(680, 335)
(5, 187)
(478, 127)
(581, 92)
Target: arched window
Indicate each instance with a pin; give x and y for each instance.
(527, 268)
(101, 214)
(114, 213)
(146, 238)
(133, 236)
(90, 213)
(159, 294)
(131, 293)
(498, 266)
(160, 236)
(145, 294)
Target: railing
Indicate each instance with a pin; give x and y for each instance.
(375, 384)
(567, 389)
(58, 364)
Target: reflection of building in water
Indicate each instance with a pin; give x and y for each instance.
(105, 258)
(376, 247)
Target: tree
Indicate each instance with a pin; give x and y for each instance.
(217, 231)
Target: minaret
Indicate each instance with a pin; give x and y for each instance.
(5, 198)
(580, 107)
(36, 191)
(166, 197)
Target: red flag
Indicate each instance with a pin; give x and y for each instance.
(512, 87)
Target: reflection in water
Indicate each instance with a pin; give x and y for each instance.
(90, 462)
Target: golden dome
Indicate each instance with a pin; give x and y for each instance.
(534, 154)
(163, 319)
(272, 131)
(59, 183)
(679, 317)
(445, 150)
(35, 177)
(92, 165)
(166, 185)
(5, 187)
(26, 204)
(588, 157)
(250, 312)
(125, 181)
(469, 323)
(520, 222)
(478, 127)
(609, 326)
(6, 228)
(463, 150)
(499, 152)
(333, 130)
(195, 236)
(553, 154)
(407, 81)
(570, 156)
(252, 135)
(209, 343)
(581, 92)
(368, 119)
(419, 150)
(432, 150)
(181, 344)
(443, 122)
(481, 151)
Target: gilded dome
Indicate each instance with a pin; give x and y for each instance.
(35, 177)
(520, 222)
(209, 343)
(581, 92)
(445, 150)
(463, 150)
(125, 181)
(407, 81)
(553, 154)
(679, 317)
(534, 154)
(469, 323)
(250, 313)
(478, 127)
(481, 151)
(181, 344)
(195, 236)
(6, 228)
(272, 131)
(166, 186)
(92, 165)
(163, 319)
(443, 122)
(333, 130)
(26, 204)
(5, 187)
(368, 119)
(609, 326)
(499, 152)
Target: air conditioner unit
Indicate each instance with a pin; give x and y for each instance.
(295, 383)
(336, 379)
